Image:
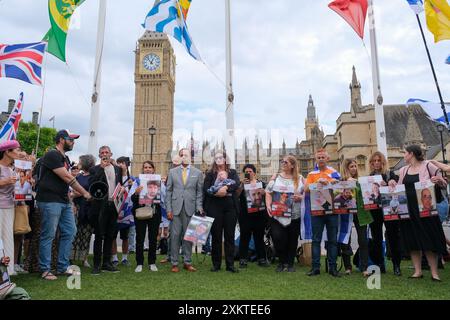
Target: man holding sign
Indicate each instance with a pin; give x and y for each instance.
(323, 175)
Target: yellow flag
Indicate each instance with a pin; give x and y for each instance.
(438, 19)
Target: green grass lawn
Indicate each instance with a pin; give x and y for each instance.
(251, 283)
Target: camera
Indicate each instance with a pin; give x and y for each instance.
(247, 176)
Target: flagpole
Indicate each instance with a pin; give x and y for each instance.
(229, 138)
(434, 73)
(378, 97)
(95, 99)
(42, 102)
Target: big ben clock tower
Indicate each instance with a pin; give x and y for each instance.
(154, 78)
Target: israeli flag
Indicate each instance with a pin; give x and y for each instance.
(416, 6)
(433, 109)
(165, 17)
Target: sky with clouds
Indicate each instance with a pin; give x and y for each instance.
(282, 50)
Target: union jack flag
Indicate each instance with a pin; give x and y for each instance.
(11, 126)
(22, 61)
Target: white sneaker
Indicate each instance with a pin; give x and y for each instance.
(86, 264)
(153, 267)
(19, 269)
(138, 268)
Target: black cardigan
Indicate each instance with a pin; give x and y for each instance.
(210, 179)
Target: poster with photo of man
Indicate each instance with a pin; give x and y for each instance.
(370, 188)
(23, 190)
(151, 192)
(198, 229)
(426, 198)
(344, 197)
(394, 203)
(321, 199)
(282, 201)
(254, 194)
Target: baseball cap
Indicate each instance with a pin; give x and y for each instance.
(65, 134)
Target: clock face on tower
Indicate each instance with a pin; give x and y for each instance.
(151, 62)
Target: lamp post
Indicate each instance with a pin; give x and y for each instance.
(441, 128)
(151, 132)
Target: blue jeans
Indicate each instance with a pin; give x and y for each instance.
(318, 223)
(54, 215)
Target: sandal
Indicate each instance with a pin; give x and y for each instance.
(69, 272)
(47, 275)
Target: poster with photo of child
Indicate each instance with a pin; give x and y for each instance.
(394, 203)
(23, 190)
(119, 196)
(321, 199)
(344, 197)
(282, 201)
(426, 198)
(254, 194)
(370, 188)
(151, 192)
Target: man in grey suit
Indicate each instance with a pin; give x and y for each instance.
(184, 197)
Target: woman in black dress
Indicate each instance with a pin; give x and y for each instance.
(421, 234)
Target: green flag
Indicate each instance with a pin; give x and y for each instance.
(60, 12)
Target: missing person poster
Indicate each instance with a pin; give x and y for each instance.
(198, 229)
(282, 201)
(321, 199)
(370, 188)
(119, 196)
(23, 190)
(151, 188)
(344, 197)
(426, 198)
(394, 203)
(254, 194)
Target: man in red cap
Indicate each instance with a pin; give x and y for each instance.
(53, 201)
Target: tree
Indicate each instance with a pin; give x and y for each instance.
(27, 137)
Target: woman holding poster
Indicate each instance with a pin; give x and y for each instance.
(361, 220)
(252, 216)
(285, 213)
(421, 234)
(379, 166)
(151, 223)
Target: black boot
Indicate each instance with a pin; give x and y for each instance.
(397, 270)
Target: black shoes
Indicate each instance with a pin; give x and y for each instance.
(335, 273)
(263, 263)
(95, 271)
(313, 272)
(382, 268)
(397, 270)
(232, 269)
(110, 268)
(281, 267)
(290, 269)
(243, 264)
(215, 269)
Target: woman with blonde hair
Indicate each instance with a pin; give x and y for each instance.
(361, 221)
(379, 166)
(286, 229)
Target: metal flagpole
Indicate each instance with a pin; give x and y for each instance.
(378, 97)
(95, 100)
(42, 104)
(434, 73)
(229, 138)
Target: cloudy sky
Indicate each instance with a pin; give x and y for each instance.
(283, 51)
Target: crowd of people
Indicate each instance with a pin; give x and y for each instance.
(71, 202)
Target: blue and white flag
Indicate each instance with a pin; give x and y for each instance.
(433, 109)
(416, 6)
(448, 60)
(166, 17)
